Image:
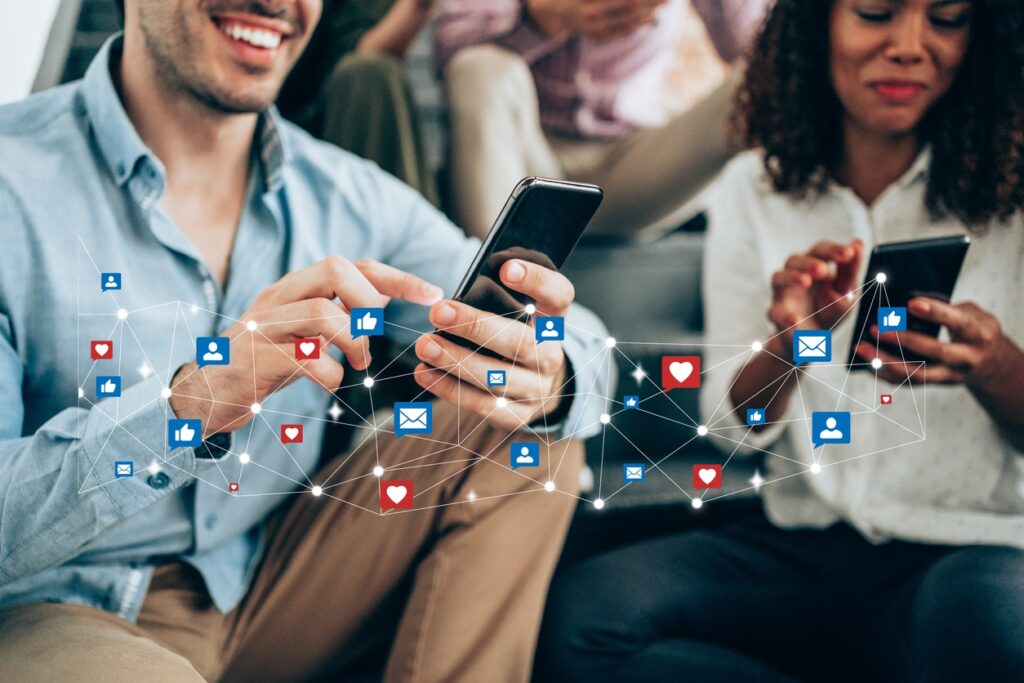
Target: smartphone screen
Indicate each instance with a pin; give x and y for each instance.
(541, 223)
(928, 268)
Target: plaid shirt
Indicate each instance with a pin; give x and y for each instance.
(589, 88)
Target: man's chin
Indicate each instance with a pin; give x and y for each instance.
(228, 102)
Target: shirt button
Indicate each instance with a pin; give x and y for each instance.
(158, 481)
(585, 119)
(211, 521)
(583, 80)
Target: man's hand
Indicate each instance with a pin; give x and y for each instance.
(810, 292)
(313, 302)
(596, 19)
(536, 378)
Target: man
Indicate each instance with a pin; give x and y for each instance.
(123, 553)
(573, 89)
(349, 87)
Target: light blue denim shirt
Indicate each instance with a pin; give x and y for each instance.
(79, 195)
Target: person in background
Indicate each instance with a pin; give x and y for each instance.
(574, 89)
(900, 556)
(349, 88)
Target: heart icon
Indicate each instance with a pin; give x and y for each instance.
(397, 493)
(291, 432)
(707, 475)
(307, 348)
(101, 349)
(681, 371)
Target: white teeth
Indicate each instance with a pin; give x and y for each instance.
(256, 37)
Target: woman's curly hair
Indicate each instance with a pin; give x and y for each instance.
(787, 106)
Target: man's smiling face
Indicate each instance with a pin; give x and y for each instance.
(230, 55)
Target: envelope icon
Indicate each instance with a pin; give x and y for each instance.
(634, 472)
(124, 469)
(413, 418)
(812, 347)
(496, 378)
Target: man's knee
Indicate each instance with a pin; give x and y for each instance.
(968, 615)
(53, 642)
(485, 72)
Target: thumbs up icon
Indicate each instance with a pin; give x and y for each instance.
(183, 433)
(892, 319)
(367, 322)
(108, 386)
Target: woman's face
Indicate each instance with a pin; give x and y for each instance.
(892, 60)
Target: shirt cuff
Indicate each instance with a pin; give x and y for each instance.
(593, 366)
(133, 429)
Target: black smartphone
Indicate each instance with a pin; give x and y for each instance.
(542, 222)
(928, 268)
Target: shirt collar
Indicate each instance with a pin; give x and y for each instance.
(120, 144)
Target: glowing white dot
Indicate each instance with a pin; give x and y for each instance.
(849, 296)
(243, 458)
(154, 467)
(610, 342)
(881, 278)
(471, 496)
(194, 309)
(378, 471)
(530, 309)
(251, 326)
(605, 418)
(599, 504)
(81, 392)
(702, 430)
(876, 363)
(317, 491)
(549, 486)
(165, 392)
(367, 382)
(255, 408)
(122, 314)
(697, 503)
(815, 468)
(756, 346)
(501, 402)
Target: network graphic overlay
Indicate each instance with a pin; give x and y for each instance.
(103, 318)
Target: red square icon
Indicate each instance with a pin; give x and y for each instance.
(291, 433)
(886, 399)
(395, 495)
(707, 476)
(307, 349)
(101, 350)
(680, 372)
(233, 487)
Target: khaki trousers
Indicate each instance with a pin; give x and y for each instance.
(649, 177)
(455, 589)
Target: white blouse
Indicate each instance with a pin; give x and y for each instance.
(933, 466)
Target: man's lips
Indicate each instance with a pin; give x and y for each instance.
(253, 31)
(898, 91)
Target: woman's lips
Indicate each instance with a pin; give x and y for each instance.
(897, 91)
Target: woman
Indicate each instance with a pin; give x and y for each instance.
(901, 555)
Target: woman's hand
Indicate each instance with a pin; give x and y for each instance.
(977, 354)
(811, 291)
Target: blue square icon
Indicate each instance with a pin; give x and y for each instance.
(524, 455)
(830, 428)
(496, 378)
(367, 322)
(631, 403)
(108, 386)
(892, 319)
(124, 469)
(755, 417)
(110, 282)
(812, 346)
(550, 329)
(213, 351)
(184, 433)
(634, 471)
(414, 418)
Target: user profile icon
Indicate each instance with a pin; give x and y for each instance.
(213, 351)
(550, 329)
(110, 282)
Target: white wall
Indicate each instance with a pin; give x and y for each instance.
(24, 29)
